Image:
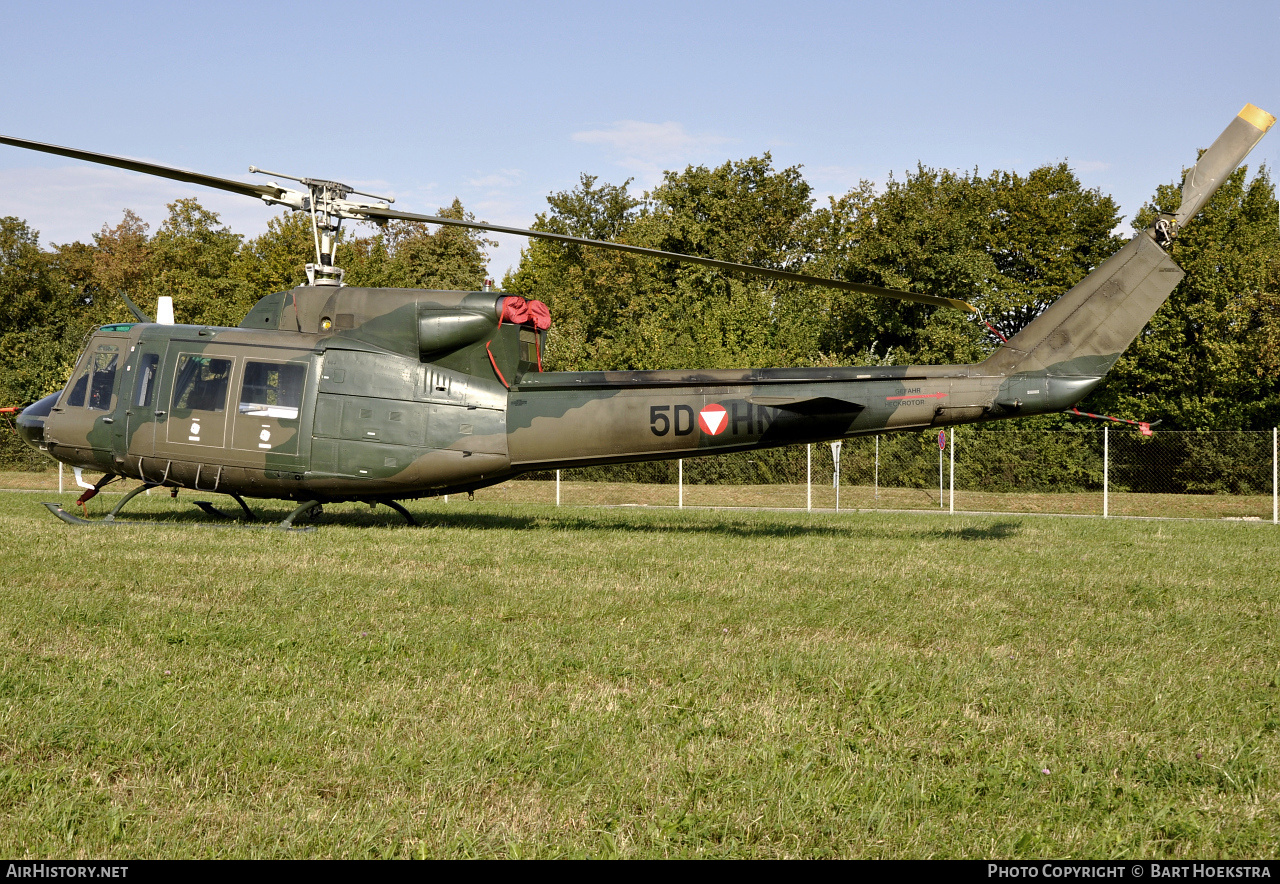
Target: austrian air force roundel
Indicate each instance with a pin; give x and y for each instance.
(713, 419)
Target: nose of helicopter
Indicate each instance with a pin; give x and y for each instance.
(31, 420)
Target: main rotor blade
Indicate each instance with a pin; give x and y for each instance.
(240, 187)
(272, 191)
(1221, 159)
(955, 304)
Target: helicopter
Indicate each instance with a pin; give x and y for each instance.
(329, 392)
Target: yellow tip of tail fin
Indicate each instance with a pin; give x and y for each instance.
(1257, 117)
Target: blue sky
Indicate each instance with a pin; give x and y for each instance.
(501, 103)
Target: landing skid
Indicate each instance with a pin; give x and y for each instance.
(214, 511)
(307, 510)
(71, 519)
(401, 510)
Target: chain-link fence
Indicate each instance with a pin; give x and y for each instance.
(999, 469)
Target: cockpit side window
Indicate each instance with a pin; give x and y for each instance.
(75, 399)
(147, 379)
(102, 379)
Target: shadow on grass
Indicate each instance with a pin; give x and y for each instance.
(636, 521)
(995, 531)
(757, 526)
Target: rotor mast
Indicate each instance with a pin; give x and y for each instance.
(327, 203)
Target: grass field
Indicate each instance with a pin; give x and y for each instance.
(521, 680)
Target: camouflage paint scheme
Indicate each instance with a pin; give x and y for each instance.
(404, 393)
(394, 407)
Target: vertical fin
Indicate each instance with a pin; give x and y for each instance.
(1083, 333)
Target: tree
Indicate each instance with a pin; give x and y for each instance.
(276, 260)
(1009, 244)
(746, 212)
(584, 287)
(619, 311)
(120, 258)
(191, 259)
(36, 312)
(407, 254)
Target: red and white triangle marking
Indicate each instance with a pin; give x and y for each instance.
(713, 419)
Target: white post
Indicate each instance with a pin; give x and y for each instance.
(1106, 464)
(835, 468)
(557, 487)
(951, 444)
(939, 478)
(680, 479)
(876, 486)
(59, 477)
(808, 477)
(1275, 486)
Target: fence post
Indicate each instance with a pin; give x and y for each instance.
(951, 445)
(557, 487)
(1106, 466)
(1275, 487)
(680, 481)
(876, 486)
(808, 477)
(835, 468)
(59, 477)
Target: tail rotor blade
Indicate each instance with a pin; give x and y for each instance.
(1221, 159)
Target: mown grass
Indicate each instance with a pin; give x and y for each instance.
(865, 497)
(521, 680)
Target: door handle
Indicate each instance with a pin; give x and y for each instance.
(108, 420)
(161, 413)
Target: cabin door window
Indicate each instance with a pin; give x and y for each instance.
(266, 419)
(198, 415)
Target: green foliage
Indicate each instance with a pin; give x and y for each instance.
(1006, 242)
(407, 254)
(616, 311)
(118, 262)
(590, 291)
(190, 259)
(39, 309)
(276, 261)
(1009, 244)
